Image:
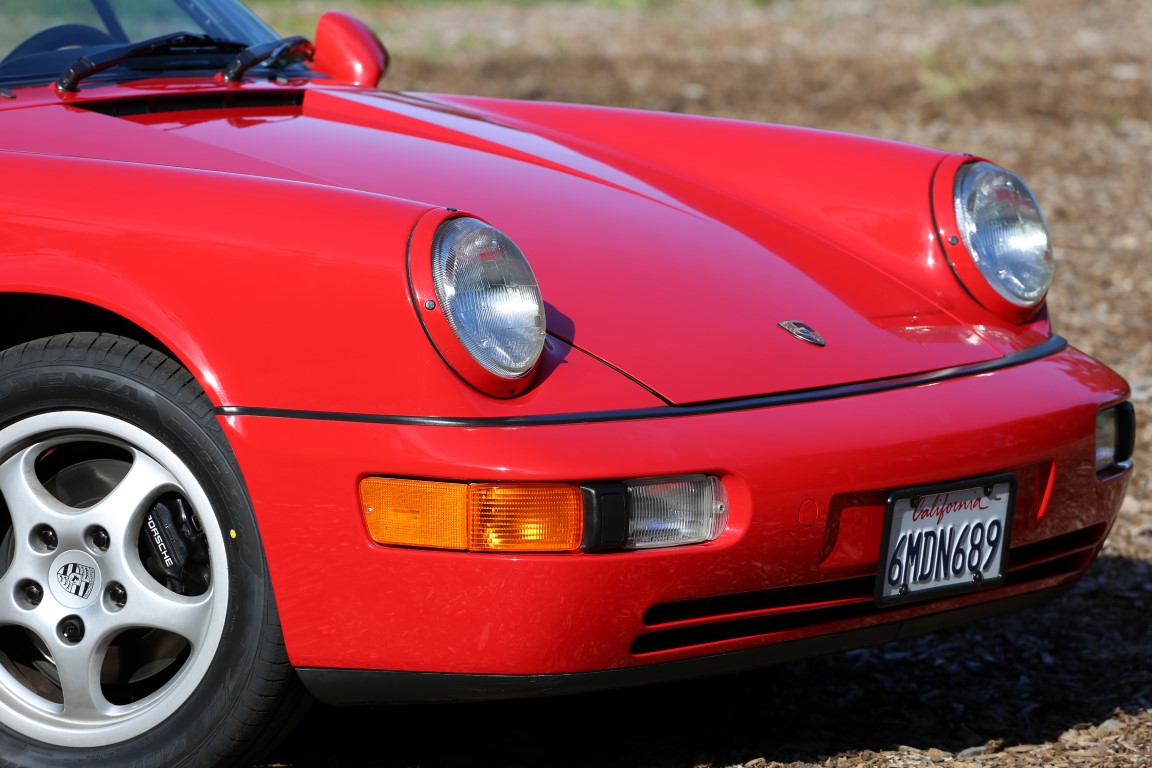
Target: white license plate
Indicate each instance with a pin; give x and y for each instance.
(944, 539)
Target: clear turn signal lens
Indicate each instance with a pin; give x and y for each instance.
(1115, 436)
(671, 511)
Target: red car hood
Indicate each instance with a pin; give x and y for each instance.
(671, 248)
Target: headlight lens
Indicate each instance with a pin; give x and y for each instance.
(489, 296)
(1005, 233)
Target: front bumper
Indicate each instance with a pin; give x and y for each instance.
(780, 583)
(354, 687)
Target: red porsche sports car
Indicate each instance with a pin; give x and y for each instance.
(309, 388)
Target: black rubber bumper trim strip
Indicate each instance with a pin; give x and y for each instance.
(1049, 346)
(357, 687)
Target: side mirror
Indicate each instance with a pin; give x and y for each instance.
(348, 51)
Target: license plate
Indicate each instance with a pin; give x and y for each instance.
(944, 539)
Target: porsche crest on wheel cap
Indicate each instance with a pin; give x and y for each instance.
(803, 331)
(76, 579)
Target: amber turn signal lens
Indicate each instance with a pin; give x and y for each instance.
(525, 518)
(543, 517)
(415, 513)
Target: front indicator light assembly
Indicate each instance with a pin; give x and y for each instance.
(1115, 436)
(544, 517)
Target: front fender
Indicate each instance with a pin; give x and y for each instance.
(274, 294)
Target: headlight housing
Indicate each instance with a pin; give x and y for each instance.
(1006, 238)
(480, 303)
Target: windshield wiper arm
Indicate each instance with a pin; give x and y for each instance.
(175, 43)
(275, 55)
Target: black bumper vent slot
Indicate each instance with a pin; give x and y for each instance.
(751, 614)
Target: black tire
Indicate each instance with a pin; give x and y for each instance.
(111, 463)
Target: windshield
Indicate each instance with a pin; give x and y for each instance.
(39, 39)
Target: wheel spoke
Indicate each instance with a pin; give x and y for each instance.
(79, 669)
(9, 612)
(29, 503)
(150, 605)
(118, 511)
(24, 567)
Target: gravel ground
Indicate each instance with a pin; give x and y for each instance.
(1058, 90)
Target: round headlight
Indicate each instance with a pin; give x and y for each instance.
(489, 296)
(1004, 232)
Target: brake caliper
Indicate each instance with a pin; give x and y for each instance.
(174, 547)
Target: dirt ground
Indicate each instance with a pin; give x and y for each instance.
(1058, 90)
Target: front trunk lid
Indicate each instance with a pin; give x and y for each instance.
(697, 288)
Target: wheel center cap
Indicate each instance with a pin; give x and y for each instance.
(75, 579)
